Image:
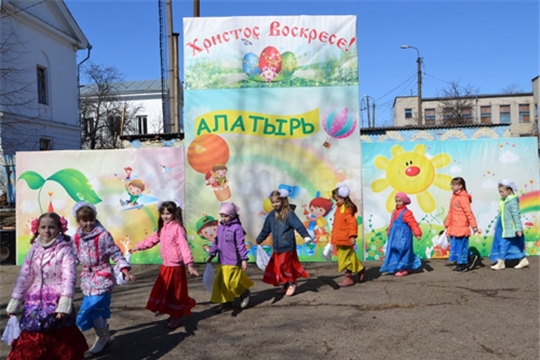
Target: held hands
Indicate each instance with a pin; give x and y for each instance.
(192, 270)
(127, 275)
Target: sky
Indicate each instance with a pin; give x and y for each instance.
(489, 46)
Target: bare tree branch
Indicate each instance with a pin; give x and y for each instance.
(456, 106)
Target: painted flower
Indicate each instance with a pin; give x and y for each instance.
(269, 73)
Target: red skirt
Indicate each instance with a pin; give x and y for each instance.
(284, 267)
(67, 343)
(170, 292)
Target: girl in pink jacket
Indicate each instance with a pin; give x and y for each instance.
(170, 292)
(44, 295)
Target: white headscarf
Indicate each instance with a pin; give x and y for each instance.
(509, 183)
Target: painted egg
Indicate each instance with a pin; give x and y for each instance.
(250, 64)
(288, 60)
(206, 151)
(270, 59)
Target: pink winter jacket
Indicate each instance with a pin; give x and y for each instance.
(174, 246)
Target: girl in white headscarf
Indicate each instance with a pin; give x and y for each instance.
(508, 241)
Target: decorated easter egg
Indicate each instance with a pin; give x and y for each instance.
(207, 150)
(270, 59)
(288, 61)
(250, 64)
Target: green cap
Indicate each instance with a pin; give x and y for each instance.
(203, 221)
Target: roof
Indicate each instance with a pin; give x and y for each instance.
(425, 127)
(128, 87)
(160, 136)
(478, 96)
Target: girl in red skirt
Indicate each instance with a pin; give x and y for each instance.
(284, 266)
(170, 292)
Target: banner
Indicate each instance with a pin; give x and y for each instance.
(125, 186)
(270, 102)
(423, 170)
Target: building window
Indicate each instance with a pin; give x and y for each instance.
(408, 113)
(447, 114)
(429, 116)
(42, 85)
(142, 122)
(88, 125)
(524, 114)
(467, 115)
(485, 114)
(44, 144)
(504, 114)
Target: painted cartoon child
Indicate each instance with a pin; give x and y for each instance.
(207, 230)
(128, 171)
(316, 224)
(210, 179)
(134, 188)
(220, 174)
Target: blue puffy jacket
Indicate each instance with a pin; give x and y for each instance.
(283, 237)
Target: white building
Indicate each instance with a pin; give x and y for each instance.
(520, 110)
(38, 76)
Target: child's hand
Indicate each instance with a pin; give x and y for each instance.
(209, 259)
(244, 265)
(418, 237)
(127, 275)
(131, 251)
(192, 270)
(519, 233)
(61, 315)
(476, 230)
(353, 240)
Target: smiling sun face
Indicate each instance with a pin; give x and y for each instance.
(413, 173)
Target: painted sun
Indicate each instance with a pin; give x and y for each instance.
(413, 173)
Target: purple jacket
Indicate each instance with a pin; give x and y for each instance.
(229, 244)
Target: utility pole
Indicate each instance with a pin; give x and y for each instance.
(367, 107)
(419, 77)
(196, 8)
(173, 59)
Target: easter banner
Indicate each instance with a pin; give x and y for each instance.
(124, 185)
(424, 170)
(274, 51)
(270, 102)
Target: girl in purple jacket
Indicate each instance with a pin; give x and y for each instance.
(231, 281)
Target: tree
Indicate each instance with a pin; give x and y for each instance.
(457, 103)
(513, 88)
(104, 115)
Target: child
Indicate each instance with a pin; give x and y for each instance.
(231, 281)
(46, 285)
(458, 225)
(400, 258)
(170, 292)
(508, 241)
(95, 248)
(284, 266)
(344, 234)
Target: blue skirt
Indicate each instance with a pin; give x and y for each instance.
(506, 248)
(93, 307)
(459, 249)
(399, 249)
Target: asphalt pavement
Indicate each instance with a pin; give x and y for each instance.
(432, 314)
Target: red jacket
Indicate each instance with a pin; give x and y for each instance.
(345, 226)
(460, 217)
(408, 218)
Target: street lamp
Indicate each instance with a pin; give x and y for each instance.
(419, 61)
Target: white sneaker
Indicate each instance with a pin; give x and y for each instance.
(499, 265)
(245, 299)
(523, 263)
(102, 339)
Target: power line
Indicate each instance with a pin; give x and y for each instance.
(23, 9)
(408, 79)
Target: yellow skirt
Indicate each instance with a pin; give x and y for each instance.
(347, 259)
(230, 283)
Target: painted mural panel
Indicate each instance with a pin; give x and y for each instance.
(424, 171)
(124, 185)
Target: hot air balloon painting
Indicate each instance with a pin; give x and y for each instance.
(338, 123)
(208, 155)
